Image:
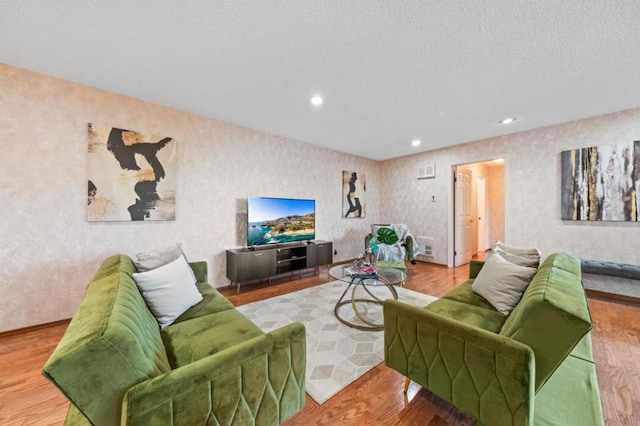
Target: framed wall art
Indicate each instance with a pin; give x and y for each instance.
(131, 175)
(354, 191)
(601, 183)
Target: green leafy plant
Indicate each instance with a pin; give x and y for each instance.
(387, 236)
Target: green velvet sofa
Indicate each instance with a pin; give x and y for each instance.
(212, 366)
(532, 367)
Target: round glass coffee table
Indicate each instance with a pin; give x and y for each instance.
(386, 278)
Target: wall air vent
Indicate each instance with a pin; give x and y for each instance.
(427, 172)
(425, 245)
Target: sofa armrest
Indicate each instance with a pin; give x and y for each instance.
(200, 271)
(408, 242)
(474, 268)
(484, 374)
(260, 381)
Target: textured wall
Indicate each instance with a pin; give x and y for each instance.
(48, 251)
(532, 190)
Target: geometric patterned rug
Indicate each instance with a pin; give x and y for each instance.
(337, 354)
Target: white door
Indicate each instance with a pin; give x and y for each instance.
(463, 217)
(482, 215)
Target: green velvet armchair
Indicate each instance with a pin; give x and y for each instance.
(399, 249)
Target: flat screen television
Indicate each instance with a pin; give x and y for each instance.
(280, 220)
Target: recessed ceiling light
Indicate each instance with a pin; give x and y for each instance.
(316, 100)
(508, 120)
(416, 142)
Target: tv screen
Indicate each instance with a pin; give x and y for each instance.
(280, 220)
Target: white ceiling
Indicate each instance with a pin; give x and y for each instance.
(390, 71)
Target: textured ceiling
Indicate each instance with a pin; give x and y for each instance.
(390, 71)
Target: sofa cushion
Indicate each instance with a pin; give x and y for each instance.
(112, 343)
(212, 302)
(574, 384)
(191, 340)
(583, 349)
(553, 314)
(169, 290)
(464, 293)
(502, 283)
(480, 317)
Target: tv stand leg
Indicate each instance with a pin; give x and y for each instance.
(237, 284)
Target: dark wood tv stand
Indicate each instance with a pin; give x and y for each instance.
(265, 262)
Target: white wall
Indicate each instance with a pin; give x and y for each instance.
(49, 252)
(532, 190)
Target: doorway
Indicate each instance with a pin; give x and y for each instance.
(478, 209)
(463, 216)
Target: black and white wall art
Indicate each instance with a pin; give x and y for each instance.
(354, 191)
(131, 175)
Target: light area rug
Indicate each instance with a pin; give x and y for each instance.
(337, 354)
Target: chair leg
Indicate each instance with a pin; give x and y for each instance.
(406, 384)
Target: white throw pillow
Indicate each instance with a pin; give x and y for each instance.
(168, 290)
(502, 283)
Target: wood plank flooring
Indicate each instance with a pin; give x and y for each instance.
(27, 398)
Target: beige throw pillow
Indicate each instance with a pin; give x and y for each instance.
(532, 253)
(502, 283)
(531, 262)
(152, 259)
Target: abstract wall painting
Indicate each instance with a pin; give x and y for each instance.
(131, 175)
(601, 183)
(354, 191)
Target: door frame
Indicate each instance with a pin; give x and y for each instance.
(481, 195)
(451, 209)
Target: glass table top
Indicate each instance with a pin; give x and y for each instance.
(386, 275)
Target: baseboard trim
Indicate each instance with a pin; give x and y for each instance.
(34, 328)
(613, 297)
